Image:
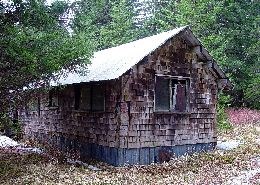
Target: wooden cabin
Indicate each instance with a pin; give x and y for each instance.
(138, 103)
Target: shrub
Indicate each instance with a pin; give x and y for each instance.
(10, 127)
(238, 116)
(223, 123)
(222, 120)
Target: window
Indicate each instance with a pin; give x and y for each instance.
(98, 98)
(53, 98)
(171, 94)
(85, 98)
(34, 105)
(90, 98)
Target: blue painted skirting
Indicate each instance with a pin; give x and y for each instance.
(124, 156)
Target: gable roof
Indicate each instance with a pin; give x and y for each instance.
(113, 62)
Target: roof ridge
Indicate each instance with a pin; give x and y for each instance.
(180, 28)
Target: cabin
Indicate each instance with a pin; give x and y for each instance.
(138, 103)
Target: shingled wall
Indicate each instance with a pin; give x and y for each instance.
(146, 127)
(130, 130)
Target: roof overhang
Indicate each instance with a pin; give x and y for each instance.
(113, 62)
(203, 54)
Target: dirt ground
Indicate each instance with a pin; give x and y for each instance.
(237, 166)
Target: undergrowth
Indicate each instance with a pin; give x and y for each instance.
(223, 123)
(204, 168)
(13, 165)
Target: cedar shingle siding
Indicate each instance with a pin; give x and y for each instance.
(165, 105)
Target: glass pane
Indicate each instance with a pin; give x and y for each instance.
(179, 99)
(162, 94)
(53, 98)
(98, 98)
(33, 105)
(85, 98)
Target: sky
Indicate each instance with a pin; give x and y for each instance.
(142, 12)
(50, 1)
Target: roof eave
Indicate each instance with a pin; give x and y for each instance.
(204, 55)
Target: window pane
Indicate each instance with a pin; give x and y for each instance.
(85, 98)
(179, 98)
(53, 98)
(98, 98)
(33, 104)
(162, 94)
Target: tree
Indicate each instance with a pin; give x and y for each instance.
(230, 31)
(38, 40)
(34, 44)
(111, 22)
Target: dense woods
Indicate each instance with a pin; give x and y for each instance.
(230, 31)
(38, 39)
(34, 44)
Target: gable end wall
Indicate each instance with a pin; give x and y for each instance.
(144, 127)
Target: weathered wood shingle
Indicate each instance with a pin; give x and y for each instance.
(131, 129)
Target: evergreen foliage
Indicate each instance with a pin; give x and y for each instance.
(34, 44)
(36, 39)
(111, 22)
(230, 31)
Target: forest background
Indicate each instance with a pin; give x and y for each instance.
(38, 38)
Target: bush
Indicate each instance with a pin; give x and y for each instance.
(10, 128)
(238, 116)
(223, 123)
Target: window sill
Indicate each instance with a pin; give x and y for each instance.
(87, 111)
(171, 112)
(53, 107)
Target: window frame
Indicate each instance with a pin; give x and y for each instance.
(171, 109)
(79, 101)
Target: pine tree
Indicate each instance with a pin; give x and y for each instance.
(229, 30)
(34, 44)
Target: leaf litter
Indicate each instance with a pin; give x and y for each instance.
(240, 165)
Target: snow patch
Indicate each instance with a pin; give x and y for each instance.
(10, 145)
(228, 145)
(30, 150)
(80, 163)
(257, 141)
(244, 178)
(7, 142)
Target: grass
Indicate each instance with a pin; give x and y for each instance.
(206, 168)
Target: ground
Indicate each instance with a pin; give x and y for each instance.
(237, 166)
